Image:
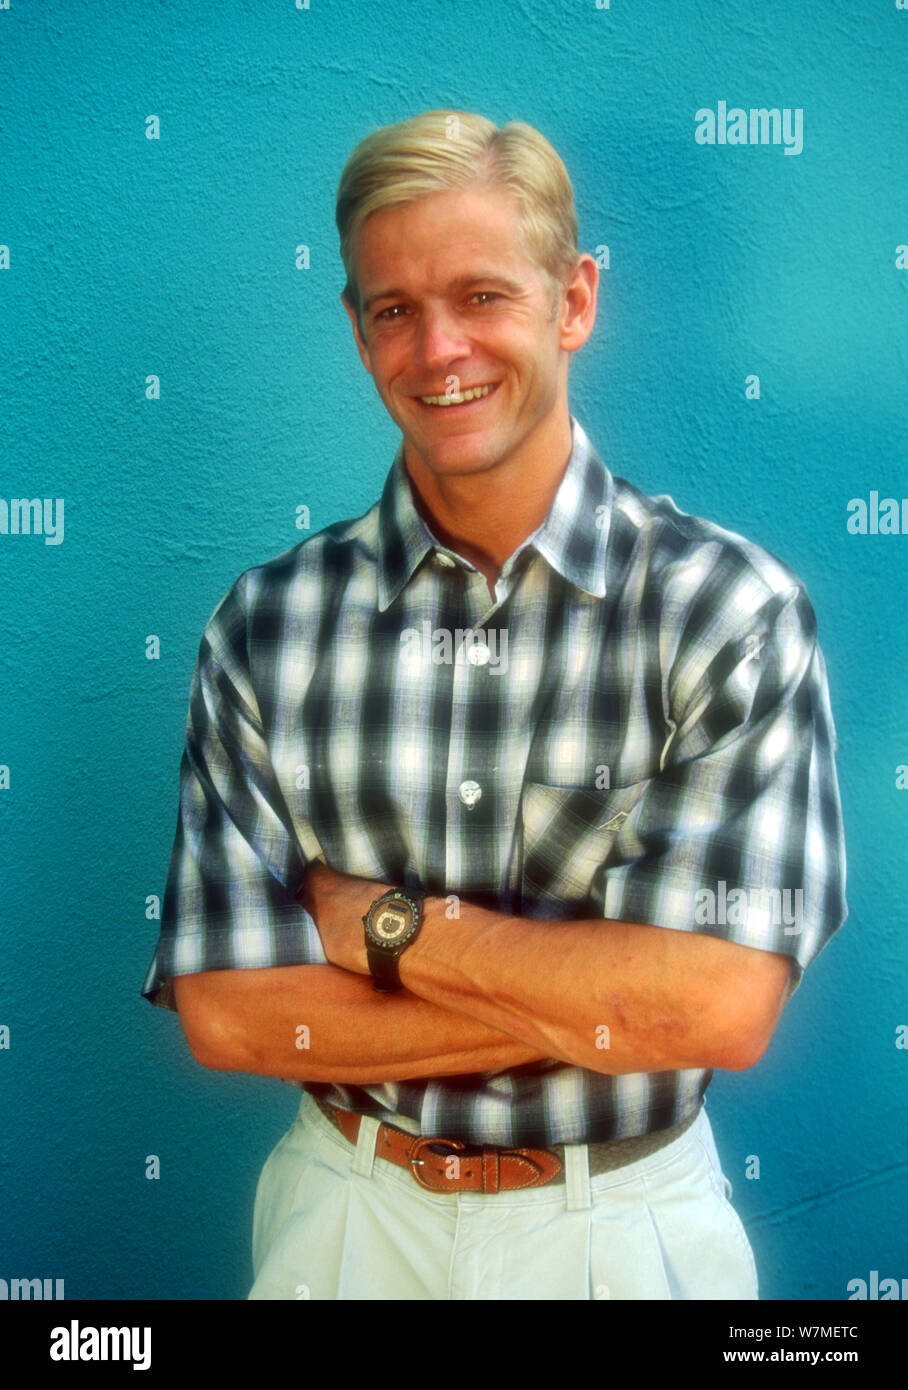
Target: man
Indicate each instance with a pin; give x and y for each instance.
(508, 809)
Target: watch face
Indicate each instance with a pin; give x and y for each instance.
(392, 923)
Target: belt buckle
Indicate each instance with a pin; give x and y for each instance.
(456, 1145)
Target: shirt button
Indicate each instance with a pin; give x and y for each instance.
(478, 654)
(469, 793)
(444, 559)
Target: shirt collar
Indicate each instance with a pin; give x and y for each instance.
(572, 539)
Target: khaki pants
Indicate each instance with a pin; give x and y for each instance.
(334, 1222)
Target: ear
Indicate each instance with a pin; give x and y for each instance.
(578, 306)
(361, 348)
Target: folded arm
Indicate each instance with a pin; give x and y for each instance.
(486, 992)
(253, 1021)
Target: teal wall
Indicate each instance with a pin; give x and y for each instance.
(175, 257)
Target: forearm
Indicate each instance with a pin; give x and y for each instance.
(322, 1023)
(613, 997)
(610, 996)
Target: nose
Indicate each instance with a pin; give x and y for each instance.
(439, 338)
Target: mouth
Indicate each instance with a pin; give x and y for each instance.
(459, 399)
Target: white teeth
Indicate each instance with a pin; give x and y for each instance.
(458, 397)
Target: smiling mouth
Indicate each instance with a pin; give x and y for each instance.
(473, 393)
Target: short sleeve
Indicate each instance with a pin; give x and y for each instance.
(237, 864)
(740, 835)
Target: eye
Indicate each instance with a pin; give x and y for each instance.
(486, 296)
(391, 313)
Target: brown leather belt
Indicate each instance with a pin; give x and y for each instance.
(483, 1168)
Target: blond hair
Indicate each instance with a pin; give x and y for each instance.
(438, 151)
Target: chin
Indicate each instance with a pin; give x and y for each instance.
(473, 459)
(472, 446)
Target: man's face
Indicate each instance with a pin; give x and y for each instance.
(451, 302)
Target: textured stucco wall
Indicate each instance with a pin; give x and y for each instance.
(131, 256)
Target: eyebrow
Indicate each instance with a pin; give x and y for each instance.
(462, 282)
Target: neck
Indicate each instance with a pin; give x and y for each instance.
(485, 516)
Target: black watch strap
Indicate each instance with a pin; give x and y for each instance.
(385, 972)
(396, 914)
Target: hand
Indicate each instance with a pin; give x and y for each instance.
(337, 903)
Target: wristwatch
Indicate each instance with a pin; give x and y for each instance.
(391, 924)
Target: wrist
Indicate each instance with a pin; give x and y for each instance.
(336, 902)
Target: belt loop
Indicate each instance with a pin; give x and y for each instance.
(577, 1177)
(365, 1146)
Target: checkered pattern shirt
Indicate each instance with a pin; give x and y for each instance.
(637, 727)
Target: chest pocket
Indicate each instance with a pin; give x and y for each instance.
(569, 833)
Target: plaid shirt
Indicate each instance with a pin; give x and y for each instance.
(637, 728)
